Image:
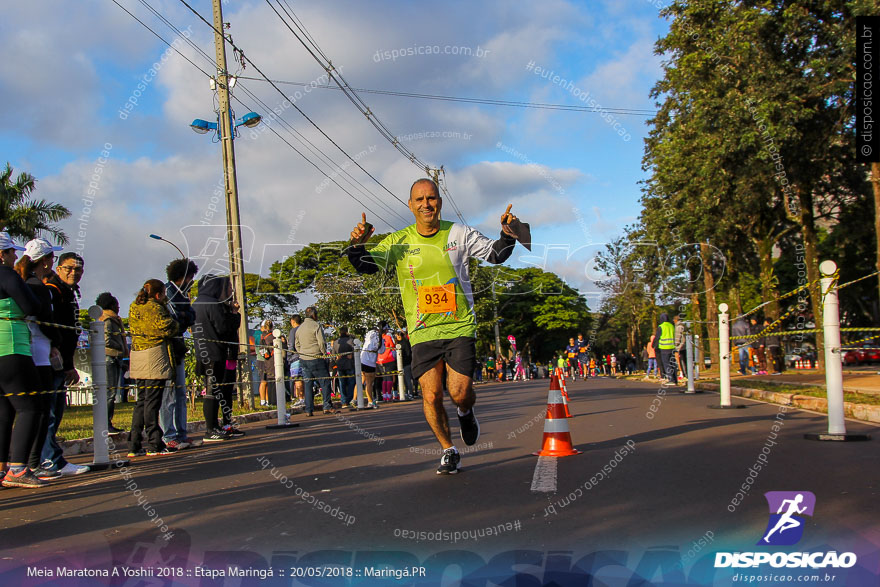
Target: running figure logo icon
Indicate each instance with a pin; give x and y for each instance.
(786, 525)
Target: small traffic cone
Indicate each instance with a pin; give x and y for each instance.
(557, 438)
(797, 364)
(564, 392)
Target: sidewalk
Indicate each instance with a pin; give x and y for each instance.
(858, 382)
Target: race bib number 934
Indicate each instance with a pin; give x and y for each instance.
(437, 299)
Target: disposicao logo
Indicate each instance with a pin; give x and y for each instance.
(785, 528)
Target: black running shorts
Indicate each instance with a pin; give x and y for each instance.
(460, 354)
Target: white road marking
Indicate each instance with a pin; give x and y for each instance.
(544, 480)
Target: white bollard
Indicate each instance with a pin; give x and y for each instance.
(100, 441)
(359, 387)
(280, 395)
(689, 350)
(401, 388)
(833, 367)
(724, 351)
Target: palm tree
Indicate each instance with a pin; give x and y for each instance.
(24, 217)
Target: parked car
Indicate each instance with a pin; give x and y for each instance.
(865, 354)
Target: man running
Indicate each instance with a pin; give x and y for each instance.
(583, 356)
(431, 260)
(571, 353)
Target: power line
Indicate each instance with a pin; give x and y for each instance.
(315, 150)
(347, 90)
(296, 134)
(298, 109)
(241, 102)
(158, 36)
(487, 101)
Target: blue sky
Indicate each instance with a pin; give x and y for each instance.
(70, 70)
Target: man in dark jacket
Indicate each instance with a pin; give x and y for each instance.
(738, 333)
(773, 346)
(344, 348)
(172, 414)
(215, 334)
(64, 285)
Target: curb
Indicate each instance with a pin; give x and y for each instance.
(863, 412)
(85, 445)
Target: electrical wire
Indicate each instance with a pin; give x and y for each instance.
(347, 90)
(297, 108)
(351, 180)
(486, 101)
(383, 219)
(158, 36)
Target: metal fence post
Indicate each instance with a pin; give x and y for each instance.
(401, 388)
(100, 441)
(689, 357)
(724, 351)
(833, 367)
(359, 387)
(280, 392)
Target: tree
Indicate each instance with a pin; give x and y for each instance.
(536, 307)
(754, 135)
(24, 217)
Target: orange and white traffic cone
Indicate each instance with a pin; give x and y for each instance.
(557, 437)
(564, 393)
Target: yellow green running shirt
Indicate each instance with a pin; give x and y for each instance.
(425, 262)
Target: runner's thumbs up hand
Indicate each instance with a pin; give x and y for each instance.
(506, 219)
(362, 231)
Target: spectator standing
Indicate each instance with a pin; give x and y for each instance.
(664, 344)
(651, 353)
(266, 360)
(519, 370)
(757, 347)
(490, 368)
(387, 364)
(152, 364)
(774, 352)
(33, 267)
(20, 412)
(373, 347)
(295, 364)
(172, 414)
(65, 309)
(679, 340)
(402, 339)
(312, 348)
(215, 334)
(115, 350)
(343, 348)
(739, 333)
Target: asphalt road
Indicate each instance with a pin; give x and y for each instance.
(242, 501)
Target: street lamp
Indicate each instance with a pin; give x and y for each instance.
(226, 132)
(159, 238)
(250, 120)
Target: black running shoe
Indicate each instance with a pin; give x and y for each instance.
(449, 462)
(232, 432)
(215, 436)
(470, 428)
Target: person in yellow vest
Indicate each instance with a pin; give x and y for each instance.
(664, 343)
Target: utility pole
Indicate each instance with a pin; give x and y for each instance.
(233, 222)
(495, 309)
